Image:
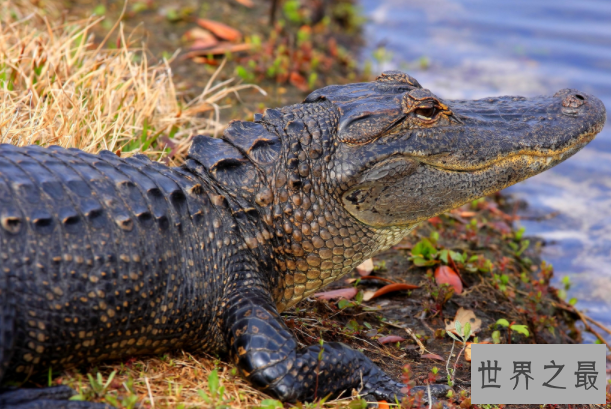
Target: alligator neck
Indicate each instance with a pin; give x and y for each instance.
(273, 174)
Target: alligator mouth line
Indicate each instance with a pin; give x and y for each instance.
(578, 144)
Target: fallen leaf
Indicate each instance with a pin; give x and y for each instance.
(352, 280)
(365, 268)
(346, 293)
(382, 404)
(202, 44)
(463, 316)
(368, 295)
(222, 31)
(445, 275)
(221, 48)
(467, 214)
(298, 81)
(246, 3)
(435, 220)
(390, 339)
(432, 356)
(197, 33)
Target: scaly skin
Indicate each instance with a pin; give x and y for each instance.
(104, 258)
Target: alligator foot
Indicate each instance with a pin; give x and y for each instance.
(266, 353)
(55, 397)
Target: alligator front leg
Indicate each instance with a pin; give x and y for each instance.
(266, 353)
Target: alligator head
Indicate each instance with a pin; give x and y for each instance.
(355, 167)
(409, 155)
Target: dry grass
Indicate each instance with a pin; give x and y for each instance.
(179, 380)
(57, 87)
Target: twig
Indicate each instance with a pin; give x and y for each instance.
(584, 318)
(415, 338)
(428, 389)
(148, 386)
(598, 324)
(427, 325)
(589, 328)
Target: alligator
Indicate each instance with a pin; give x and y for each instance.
(104, 257)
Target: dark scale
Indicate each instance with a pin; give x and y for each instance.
(105, 258)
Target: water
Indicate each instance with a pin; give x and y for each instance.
(478, 48)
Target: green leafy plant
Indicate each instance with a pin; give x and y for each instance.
(520, 329)
(463, 335)
(216, 392)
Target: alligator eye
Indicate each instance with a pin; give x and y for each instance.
(426, 113)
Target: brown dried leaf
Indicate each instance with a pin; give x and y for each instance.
(463, 316)
(368, 295)
(365, 268)
(346, 293)
(222, 31)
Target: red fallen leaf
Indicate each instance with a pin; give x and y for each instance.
(352, 280)
(445, 275)
(432, 356)
(222, 31)
(346, 293)
(365, 268)
(246, 3)
(382, 404)
(390, 339)
(467, 214)
(368, 295)
(435, 220)
(298, 81)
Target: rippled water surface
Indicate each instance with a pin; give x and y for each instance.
(478, 48)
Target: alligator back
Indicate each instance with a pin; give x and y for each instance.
(98, 255)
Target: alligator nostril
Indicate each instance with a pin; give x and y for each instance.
(573, 101)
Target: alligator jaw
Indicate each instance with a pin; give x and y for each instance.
(527, 155)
